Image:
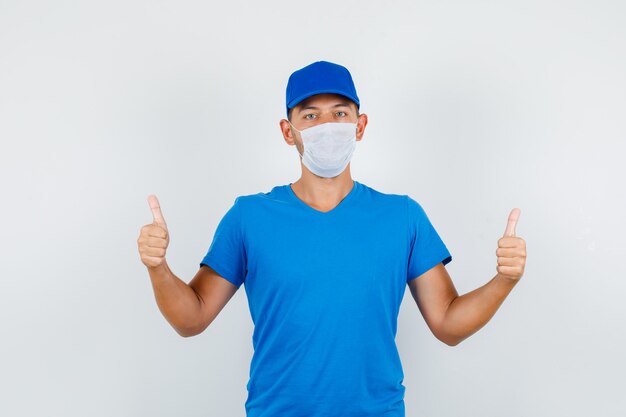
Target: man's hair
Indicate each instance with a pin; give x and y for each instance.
(351, 102)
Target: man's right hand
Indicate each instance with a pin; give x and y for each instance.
(154, 238)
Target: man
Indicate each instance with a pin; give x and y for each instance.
(325, 262)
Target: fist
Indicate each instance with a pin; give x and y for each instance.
(153, 238)
(511, 250)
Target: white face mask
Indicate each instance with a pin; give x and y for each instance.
(328, 147)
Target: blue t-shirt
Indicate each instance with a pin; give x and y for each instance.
(324, 291)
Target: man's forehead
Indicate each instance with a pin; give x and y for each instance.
(332, 99)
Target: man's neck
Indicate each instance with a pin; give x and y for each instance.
(323, 194)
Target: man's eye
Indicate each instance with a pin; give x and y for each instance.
(341, 112)
(307, 116)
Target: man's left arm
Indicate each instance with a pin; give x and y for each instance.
(453, 318)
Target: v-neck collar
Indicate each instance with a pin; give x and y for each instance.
(342, 203)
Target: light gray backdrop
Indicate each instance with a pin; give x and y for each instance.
(474, 108)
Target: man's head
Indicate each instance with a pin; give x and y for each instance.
(319, 93)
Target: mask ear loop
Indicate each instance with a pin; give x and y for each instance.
(293, 126)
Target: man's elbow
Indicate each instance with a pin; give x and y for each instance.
(189, 331)
(450, 340)
(443, 333)
(452, 343)
(185, 333)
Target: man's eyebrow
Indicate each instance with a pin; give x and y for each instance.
(344, 104)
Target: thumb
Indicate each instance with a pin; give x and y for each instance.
(510, 227)
(156, 210)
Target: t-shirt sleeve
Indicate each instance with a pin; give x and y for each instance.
(426, 247)
(226, 254)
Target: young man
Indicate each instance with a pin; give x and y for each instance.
(325, 262)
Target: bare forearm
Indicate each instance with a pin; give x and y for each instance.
(469, 312)
(177, 301)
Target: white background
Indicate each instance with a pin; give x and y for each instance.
(474, 108)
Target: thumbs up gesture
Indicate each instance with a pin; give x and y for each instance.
(154, 238)
(511, 250)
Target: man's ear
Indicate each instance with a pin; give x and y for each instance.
(361, 123)
(285, 129)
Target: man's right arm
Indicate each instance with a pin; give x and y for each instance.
(190, 308)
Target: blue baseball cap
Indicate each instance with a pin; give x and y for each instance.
(317, 78)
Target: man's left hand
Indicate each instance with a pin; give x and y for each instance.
(511, 250)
